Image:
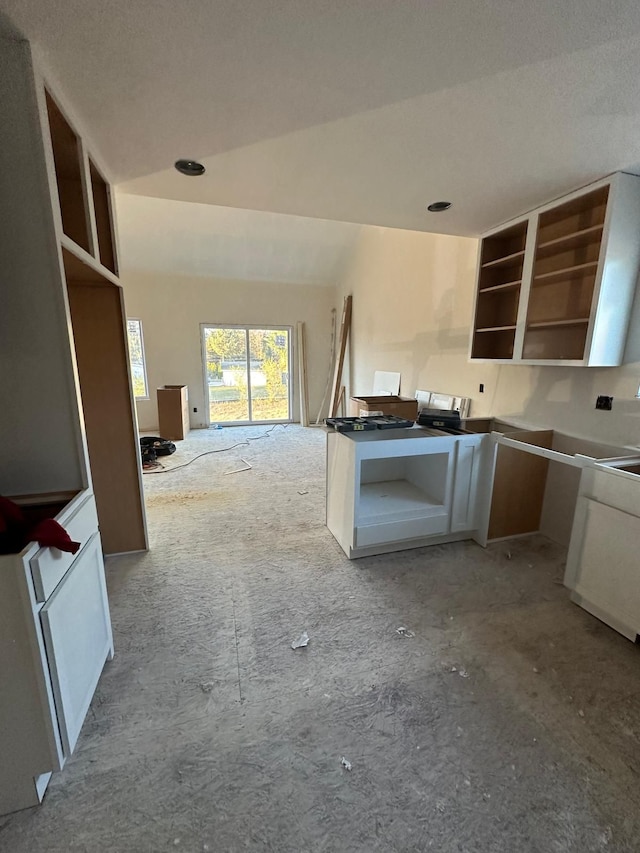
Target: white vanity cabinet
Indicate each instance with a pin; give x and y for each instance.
(55, 637)
(602, 571)
(389, 490)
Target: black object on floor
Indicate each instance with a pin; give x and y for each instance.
(152, 446)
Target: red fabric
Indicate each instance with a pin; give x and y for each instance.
(49, 533)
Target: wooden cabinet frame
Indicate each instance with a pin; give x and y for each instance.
(90, 284)
(556, 286)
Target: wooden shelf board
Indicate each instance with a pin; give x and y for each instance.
(550, 324)
(509, 285)
(574, 238)
(504, 261)
(496, 329)
(567, 272)
(395, 500)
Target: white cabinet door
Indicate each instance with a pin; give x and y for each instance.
(607, 577)
(77, 635)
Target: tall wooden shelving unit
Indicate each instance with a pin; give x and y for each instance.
(557, 285)
(87, 247)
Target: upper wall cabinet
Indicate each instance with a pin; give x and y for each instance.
(556, 286)
(83, 194)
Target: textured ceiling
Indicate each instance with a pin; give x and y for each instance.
(362, 111)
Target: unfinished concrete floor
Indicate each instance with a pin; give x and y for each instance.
(509, 722)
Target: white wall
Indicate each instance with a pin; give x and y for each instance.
(412, 312)
(172, 307)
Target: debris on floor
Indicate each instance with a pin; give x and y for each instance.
(461, 672)
(305, 492)
(508, 555)
(247, 467)
(207, 686)
(302, 642)
(405, 632)
(346, 764)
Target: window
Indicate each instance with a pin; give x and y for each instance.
(136, 357)
(247, 374)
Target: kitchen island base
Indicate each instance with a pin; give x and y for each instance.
(393, 490)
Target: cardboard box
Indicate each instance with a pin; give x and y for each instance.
(173, 412)
(402, 407)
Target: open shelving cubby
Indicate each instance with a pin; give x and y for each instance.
(402, 488)
(565, 266)
(103, 218)
(499, 283)
(68, 169)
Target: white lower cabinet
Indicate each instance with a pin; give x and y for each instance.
(396, 489)
(52, 653)
(78, 640)
(602, 562)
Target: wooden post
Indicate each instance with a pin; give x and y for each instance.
(303, 385)
(345, 328)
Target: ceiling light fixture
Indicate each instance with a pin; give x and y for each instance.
(439, 206)
(189, 167)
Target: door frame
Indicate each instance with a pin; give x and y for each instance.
(247, 327)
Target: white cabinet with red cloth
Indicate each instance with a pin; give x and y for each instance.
(55, 637)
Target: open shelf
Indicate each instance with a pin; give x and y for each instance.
(504, 246)
(493, 344)
(576, 271)
(104, 228)
(548, 324)
(395, 500)
(507, 260)
(402, 488)
(497, 308)
(579, 214)
(496, 329)
(68, 167)
(508, 285)
(555, 342)
(574, 240)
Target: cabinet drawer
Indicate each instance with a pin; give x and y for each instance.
(79, 518)
(396, 531)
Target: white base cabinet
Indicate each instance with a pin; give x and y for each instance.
(55, 636)
(602, 563)
(394, 489)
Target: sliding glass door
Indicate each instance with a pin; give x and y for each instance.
(247, 374)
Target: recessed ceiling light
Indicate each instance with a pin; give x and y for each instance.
(189, 167)
(439, 206)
